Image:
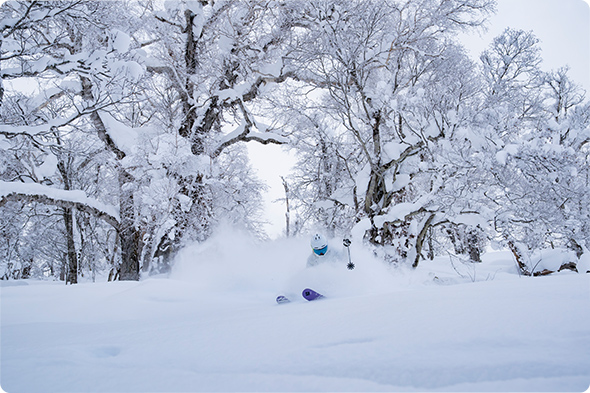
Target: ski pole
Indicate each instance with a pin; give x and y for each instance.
(346, 243)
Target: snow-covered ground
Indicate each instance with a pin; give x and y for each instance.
(213, 325)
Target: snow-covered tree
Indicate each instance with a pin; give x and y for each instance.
(535, 150)
(378, 69)
(80, 67)
(163, 143)
(123, 130)
(215, 60)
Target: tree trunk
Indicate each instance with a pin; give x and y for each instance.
(287, 213)
(575, 246)
(71, 273)
(473, 248)
(128, 233)
(420, 239)
(519, 258)
(72, 264)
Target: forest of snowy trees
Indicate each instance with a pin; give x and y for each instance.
(124, 125)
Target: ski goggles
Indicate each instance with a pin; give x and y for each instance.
(320, 251)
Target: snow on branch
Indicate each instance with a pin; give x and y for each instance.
(265, 138)
(402, 212)
(38, 130)
(244, 133)
(33, 192)
(32, 131)
(123, 137)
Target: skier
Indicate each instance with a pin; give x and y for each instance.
(322, 253)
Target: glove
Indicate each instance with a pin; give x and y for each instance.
(346, 242)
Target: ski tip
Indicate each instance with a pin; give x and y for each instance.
(310, 294)
(282, 299)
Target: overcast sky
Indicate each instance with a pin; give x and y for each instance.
(563, 27)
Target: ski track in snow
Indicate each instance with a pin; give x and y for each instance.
(215, 333)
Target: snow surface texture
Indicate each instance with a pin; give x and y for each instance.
(213, 325)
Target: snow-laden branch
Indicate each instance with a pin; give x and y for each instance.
(244, 133)
(38, 130)
(403, 211)
(33, 192)
(33, 131)
(123, 137)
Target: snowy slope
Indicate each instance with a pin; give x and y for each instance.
(213, 325)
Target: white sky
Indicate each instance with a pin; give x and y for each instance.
(563, 28)
(272, 162)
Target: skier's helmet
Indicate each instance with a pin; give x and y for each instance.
(319, 244)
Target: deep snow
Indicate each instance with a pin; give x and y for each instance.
(213, 325)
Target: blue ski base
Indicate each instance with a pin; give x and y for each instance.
(308, 294)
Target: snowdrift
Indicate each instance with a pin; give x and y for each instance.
(213, 325)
